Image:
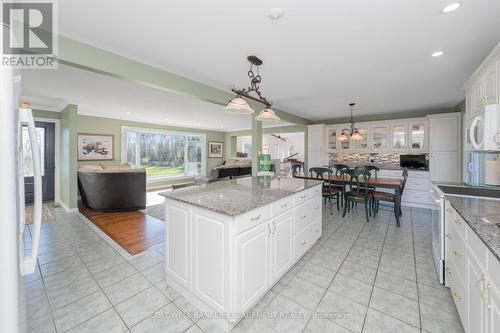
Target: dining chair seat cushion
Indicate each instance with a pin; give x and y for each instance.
(331, 192)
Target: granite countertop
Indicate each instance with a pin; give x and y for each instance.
(482, 215)
(238, 196)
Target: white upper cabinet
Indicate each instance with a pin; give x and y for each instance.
(491, 85)
(344, 145)
(333, 136)
(380, 138)
(483, 87)
(443, 134)
(417, 132)
(398, 136)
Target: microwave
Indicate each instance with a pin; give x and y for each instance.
(483, 130)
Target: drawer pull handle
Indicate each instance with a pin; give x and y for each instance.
(284, 205)
(448, 270)
(302, 196)
(448, 210)
(457, 221)
(316, 231)
(457, 297)
(303, 216)
(316, 208)
(448, 236)
(303, 243)
(478, 282)
(255, 218)
(458, 254)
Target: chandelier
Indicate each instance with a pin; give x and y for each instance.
(238, 105)
(352, 132)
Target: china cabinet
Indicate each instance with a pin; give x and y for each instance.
(398, 135)
(380, 138)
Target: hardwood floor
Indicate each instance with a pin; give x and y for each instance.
(135, 231)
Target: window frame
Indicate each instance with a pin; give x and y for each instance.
(140, 130)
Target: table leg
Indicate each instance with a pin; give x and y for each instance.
(397, 205)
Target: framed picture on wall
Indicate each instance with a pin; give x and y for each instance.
(95, 147)
(214, 149)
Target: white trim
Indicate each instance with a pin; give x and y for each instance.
(69, 210)
(57, 157)
(123, 151)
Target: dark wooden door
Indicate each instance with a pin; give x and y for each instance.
(46, 142)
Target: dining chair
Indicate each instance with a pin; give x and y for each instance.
(329, 189)
(339, 167)
(369, 168)
(389, 197)
(357, 190)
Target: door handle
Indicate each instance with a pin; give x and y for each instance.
(28, 263)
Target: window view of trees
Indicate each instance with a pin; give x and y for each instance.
(165, 154)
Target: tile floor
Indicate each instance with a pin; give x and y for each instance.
(359, 277)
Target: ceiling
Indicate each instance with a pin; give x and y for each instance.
(103, 96)
(318, 57)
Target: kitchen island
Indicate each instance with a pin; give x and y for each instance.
(229, 242)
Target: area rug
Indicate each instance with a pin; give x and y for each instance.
(46, 214)
(156, 211)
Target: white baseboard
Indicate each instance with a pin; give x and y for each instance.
(66, 208)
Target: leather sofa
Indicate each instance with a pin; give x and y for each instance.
(112, 187)
(232, 168)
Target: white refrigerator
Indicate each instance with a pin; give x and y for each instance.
(17, 257)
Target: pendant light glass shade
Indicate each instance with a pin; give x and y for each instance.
(355, 135)
(267, 115)
(343, 137)
(238, 106)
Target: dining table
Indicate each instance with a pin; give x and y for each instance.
(376, 182)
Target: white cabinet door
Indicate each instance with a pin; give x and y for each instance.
(477, 90)
(417, 134)
(178, 254)
(476, 285)
(398, 136)
(316, 137)
(443, 166)
(380, 138)
(443, 133)
(469, 103)
(281, 245)
(209, 278)
(314, 159)
(252, 265)
(493, 311)
(491, 85)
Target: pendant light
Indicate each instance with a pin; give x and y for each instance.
(238, 105)
(353, 131)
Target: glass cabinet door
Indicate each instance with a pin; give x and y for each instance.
(417, 136)
(344, 145)
(380, 137)
(399, 137)
(332, 138)
(363, 143)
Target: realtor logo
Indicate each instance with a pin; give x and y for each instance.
(29, 38)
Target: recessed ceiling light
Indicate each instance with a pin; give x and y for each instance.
(165, 118)
(127, 113)
(451, 7)
(275, 13)
(437, 53)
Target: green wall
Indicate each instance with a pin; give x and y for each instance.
(98, 125)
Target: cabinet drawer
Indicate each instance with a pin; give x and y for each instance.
(395, 173)
(415, 196)
(306, 213)
(419, 184)
(418, 174)
(316, 190)
(306, 238)
(456, 255)
(457, 290)
(252, 219)
(282, 205)
(459, 224)
(301, 197)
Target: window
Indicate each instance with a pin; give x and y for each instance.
(27, 158)
(164, 154)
